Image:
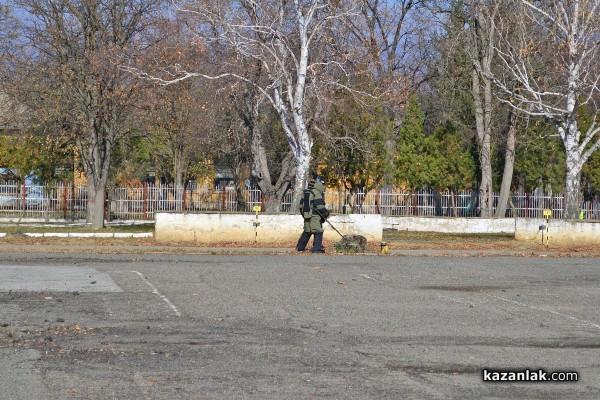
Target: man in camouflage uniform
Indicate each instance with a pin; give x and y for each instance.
(312, 208)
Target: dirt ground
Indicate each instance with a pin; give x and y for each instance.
(395, 240)
(440, 241)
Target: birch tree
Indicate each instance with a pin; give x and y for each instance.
(554, 62)
(283, 37)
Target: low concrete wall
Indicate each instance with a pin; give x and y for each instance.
(560, 231)
(450, 225)
(274, 228)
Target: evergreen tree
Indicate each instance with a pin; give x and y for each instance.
(356, 151)
(539, 161)
(457, 164)
(417, 163)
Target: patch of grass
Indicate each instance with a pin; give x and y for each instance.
(389, 234)
(75, 228)
(341, 247)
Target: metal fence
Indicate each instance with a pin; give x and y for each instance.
(65, 201)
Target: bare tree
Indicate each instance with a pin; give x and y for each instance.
(509, 166)
(273, 180)
(7, 34)
(73, 54)
(391, 35)
(554, 62)
(387, 39)
(5, 29)
(473, 27)
(283, 38)
(483, 31)
(182, 120)
(182, 123)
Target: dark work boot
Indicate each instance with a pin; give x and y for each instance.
(304, 238)
(318, 243)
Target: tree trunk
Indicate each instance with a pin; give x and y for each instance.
(95, 206)
(486, 190)
(482, 104)
(301, 177)
(272, 202)
(572, 187)
(481, 85)
(273, 193)
(178, 189)
(178, 175)
(96, 163)
(509, 163)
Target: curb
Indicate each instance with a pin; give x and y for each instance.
(86, 235)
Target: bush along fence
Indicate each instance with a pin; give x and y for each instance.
(66, 201)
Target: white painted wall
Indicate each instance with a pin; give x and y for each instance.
(560, 231)
(283, 228)
(450, 225)
(273, 228)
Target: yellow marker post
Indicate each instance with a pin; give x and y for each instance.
(256, 224)
(384, 248)
(547, 215)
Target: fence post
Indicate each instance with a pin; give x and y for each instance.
(64, 195)
(106, 211)
(588, 209)
(145, 200)
(24, 196)
(223, 197)
(184, 205)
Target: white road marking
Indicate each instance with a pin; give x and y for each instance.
(367, 277)
(548, 311)
(155, 291)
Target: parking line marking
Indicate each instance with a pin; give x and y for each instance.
(548, 311)
(162, 296)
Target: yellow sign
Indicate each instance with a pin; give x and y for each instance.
(256, 224)
(547, 213)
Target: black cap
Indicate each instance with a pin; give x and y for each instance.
(319, 178)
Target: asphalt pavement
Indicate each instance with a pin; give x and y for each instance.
(283, 326)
